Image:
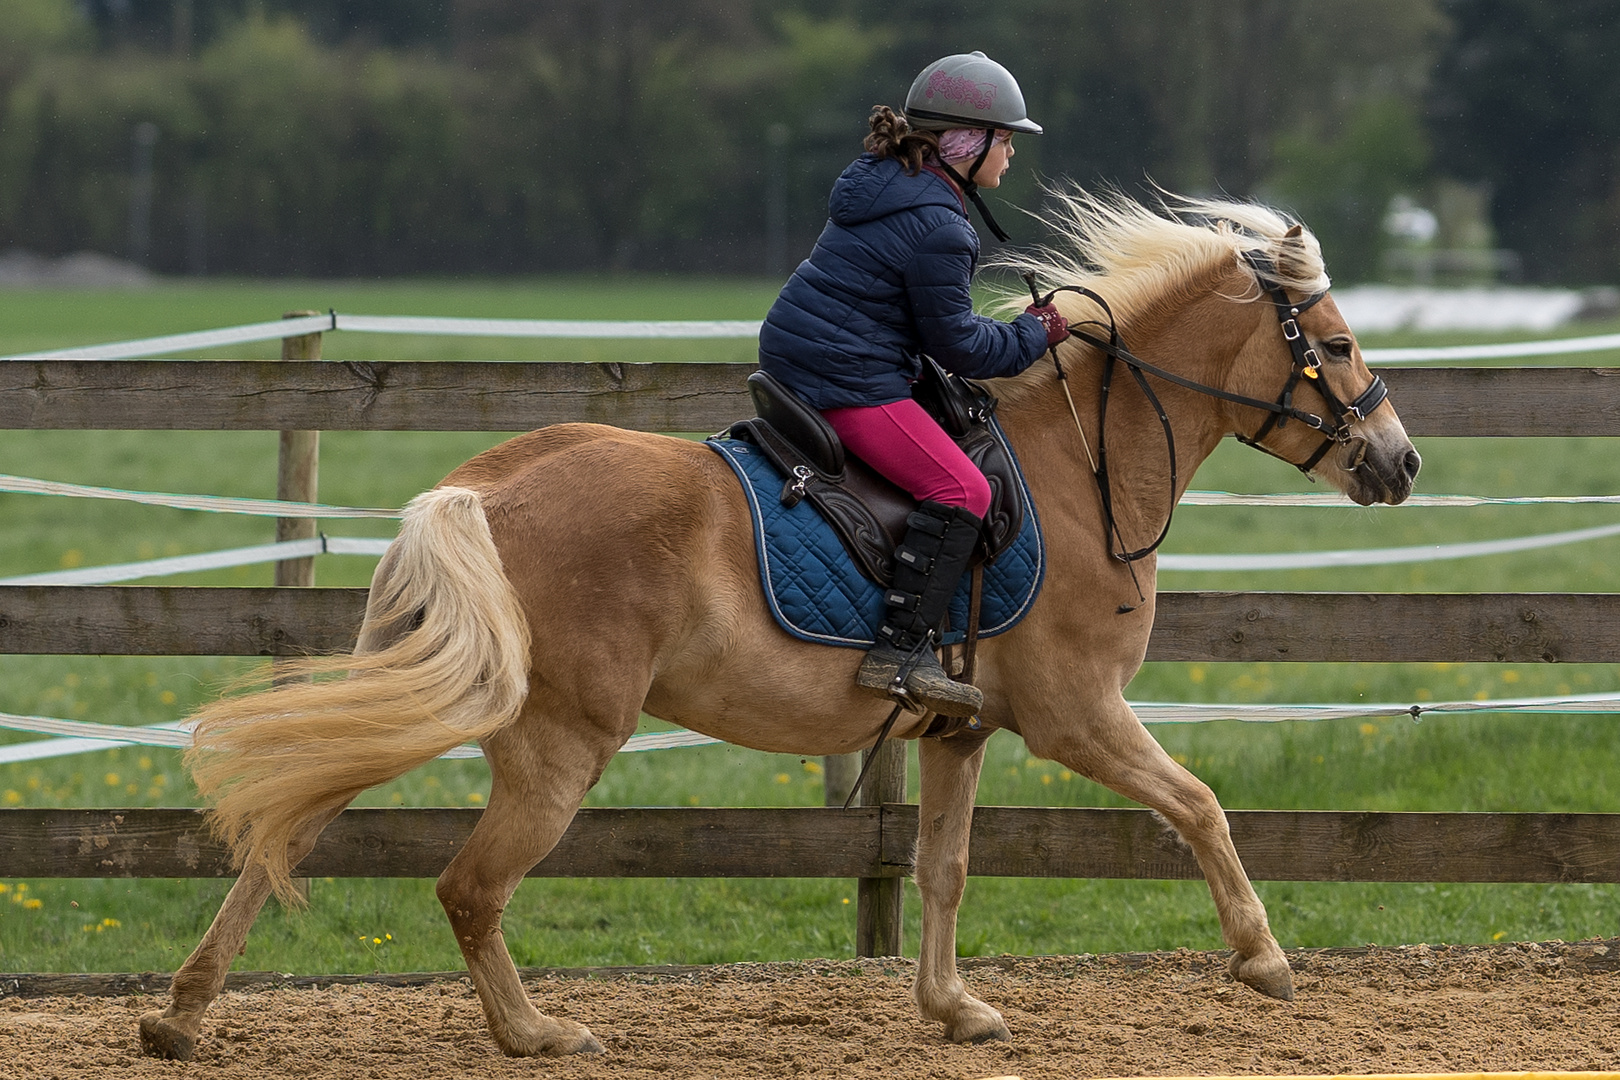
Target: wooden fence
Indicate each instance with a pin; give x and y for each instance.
(872, 842)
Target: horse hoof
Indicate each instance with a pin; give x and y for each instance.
(162, 1039)
(982, 1028)
(578, 1040)
(1268, 974)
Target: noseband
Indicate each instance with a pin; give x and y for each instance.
(1307, 365)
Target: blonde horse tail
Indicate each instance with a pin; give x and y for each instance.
(443, 660)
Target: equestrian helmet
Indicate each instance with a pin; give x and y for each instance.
(967, 90)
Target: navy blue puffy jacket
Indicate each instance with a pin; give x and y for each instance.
(888, 280)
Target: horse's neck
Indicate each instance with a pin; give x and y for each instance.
(1198, 341)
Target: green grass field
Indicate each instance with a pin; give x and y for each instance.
(1479, 763)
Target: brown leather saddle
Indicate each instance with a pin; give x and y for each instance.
(867, 511)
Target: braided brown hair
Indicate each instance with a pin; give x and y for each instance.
(892, 137)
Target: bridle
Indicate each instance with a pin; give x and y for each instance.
(1307, 364)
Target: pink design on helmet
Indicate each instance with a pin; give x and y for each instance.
(975, 95)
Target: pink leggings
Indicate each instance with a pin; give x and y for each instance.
(902, 442)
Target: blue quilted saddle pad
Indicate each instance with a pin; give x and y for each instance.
(817, 594)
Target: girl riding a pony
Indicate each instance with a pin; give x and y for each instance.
(888, 282)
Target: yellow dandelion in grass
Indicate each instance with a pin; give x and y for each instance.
(1510, 676)
(1046, 778)
(1369, 729)
(13, 797)
(694, 800)
(376, 941)
(167, 697)
(72, 557)
(475, 797)
(1499, 935)
(113, 779)
(846, 899)
(33, 905)
(5, 887)
(145, 763)
(1065, 775)
(782, 778)
(813, 768)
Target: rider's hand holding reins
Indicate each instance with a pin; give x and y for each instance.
(1056, 326)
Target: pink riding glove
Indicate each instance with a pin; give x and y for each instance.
(1057, 327)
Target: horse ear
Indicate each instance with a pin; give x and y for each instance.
(1294, 231)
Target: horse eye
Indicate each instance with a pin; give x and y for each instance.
(1338, 348)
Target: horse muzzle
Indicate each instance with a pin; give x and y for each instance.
(1374, 473)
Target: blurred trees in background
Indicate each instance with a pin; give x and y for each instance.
(354, 137)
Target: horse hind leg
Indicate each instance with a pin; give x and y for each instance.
(173, 1033)
(539, 772)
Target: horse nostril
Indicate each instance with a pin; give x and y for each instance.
(1412, 463)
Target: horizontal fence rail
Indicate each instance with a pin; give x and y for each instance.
(1570, 628)
(519, 396)
(865, 842)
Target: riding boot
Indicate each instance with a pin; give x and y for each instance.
(928, 567)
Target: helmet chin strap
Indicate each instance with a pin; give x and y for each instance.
(971, 190)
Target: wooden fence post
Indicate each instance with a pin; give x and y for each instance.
(297, 480)
(298, 468)
(880, 901)
(838, 773)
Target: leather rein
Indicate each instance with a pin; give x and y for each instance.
(1307, 364)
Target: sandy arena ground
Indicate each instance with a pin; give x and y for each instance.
(1413, 1009)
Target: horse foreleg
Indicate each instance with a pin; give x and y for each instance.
(950, 775)
(1118, 753)
(534, 794)
(173, 1033)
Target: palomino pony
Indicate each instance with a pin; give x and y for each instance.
(558, 585)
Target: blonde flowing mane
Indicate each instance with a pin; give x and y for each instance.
(1146, 258)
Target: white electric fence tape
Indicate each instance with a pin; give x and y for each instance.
(78, 736)
(213, 560)
(712, 328)
(1315, 560)
(219, 504)
(374, 546)
(83, 737)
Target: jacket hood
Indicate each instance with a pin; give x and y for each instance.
(874, 187)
